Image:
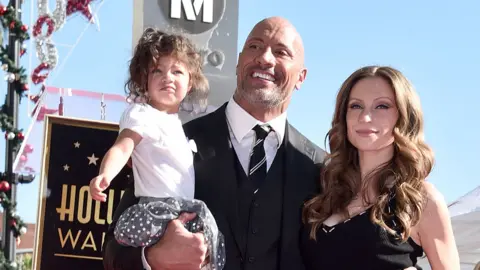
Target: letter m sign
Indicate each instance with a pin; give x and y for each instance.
(192, 9)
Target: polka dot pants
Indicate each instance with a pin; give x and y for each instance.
(143, 224)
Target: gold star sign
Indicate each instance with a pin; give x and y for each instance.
(76, 144)
(92, 160)
(66, 167)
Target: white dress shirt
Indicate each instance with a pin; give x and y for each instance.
(240, 125)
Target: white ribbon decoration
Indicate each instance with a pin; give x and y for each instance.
(46, 51)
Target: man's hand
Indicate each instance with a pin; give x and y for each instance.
(178, 249)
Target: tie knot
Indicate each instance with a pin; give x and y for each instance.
(262, 131)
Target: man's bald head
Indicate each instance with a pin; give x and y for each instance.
(280, 23)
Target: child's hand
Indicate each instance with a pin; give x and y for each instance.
(97, 186)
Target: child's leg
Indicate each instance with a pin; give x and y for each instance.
(143, 224)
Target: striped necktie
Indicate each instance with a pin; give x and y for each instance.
(257, 171)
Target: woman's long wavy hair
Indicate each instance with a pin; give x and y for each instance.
(403, 175)
(154, 44)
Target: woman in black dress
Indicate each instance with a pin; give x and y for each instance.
(376, 211)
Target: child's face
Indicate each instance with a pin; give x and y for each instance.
(168, 84)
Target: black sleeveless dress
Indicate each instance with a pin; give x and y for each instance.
(357, 243)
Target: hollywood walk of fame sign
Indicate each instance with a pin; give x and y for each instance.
(71, 226)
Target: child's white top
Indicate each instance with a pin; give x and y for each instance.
(163, 160)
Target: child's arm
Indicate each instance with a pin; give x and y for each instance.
(114, 160)
(118, 155)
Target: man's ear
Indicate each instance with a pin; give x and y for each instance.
(301, 78)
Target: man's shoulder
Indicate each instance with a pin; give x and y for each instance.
(200, 121)
(317, 153)
(205, 122)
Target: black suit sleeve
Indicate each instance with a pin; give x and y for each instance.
(116, 256)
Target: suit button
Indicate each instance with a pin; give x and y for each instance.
(254, 231)
(251, 259)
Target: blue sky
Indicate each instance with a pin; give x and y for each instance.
(434, 43)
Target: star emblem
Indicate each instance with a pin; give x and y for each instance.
(82, 6)
(66, 167)
(76, 144)
(92, 160)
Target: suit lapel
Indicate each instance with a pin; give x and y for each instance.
(216, 165)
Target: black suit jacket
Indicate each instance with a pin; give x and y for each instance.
(216, 185)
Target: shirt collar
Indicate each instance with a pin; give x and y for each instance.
(241, 122)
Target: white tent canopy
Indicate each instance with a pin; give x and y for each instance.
(465, 215)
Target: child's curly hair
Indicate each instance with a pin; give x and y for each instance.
(154, 44)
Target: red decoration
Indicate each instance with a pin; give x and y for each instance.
(3, 10)
(20, 136)
(28, 149)
(13, 223)
(4, 186)
(43, 111)
(22, 52)
(35, 99)
(24, 28)
(82, 6)
(25, 87)
(12, 25)
(37, 28)
(36, 77)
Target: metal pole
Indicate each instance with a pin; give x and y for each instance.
(9, 243)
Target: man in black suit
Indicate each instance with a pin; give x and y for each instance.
(252, 168)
